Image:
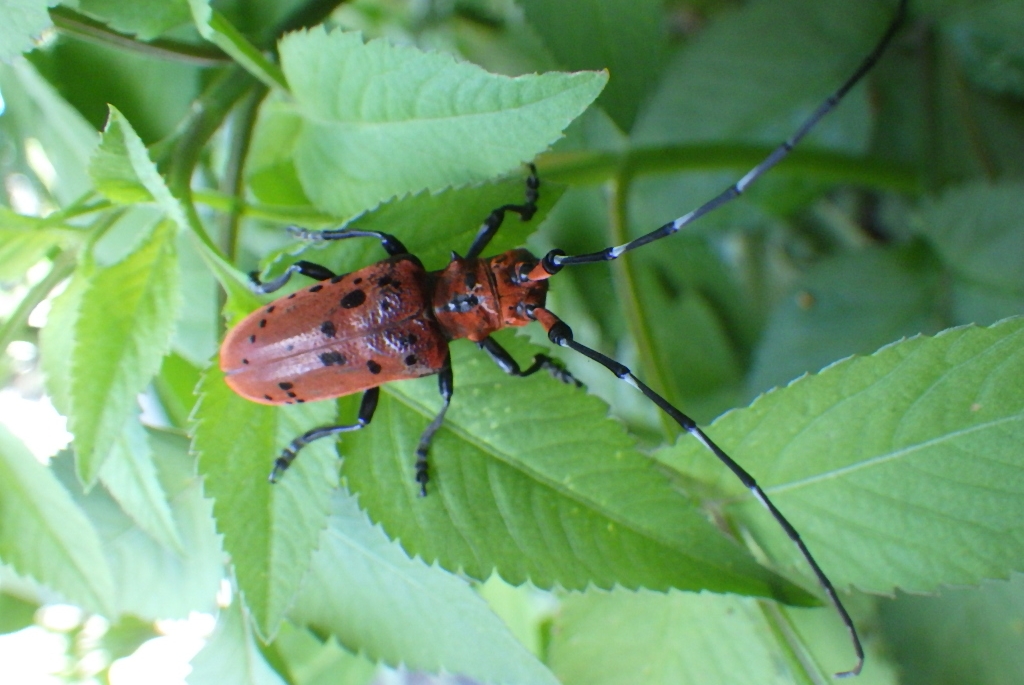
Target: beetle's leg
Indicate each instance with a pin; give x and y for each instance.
(445, 383)
(320, 273)
(506, 363)
(366, 409)
(560, 334)
(392, 245)
(493, 222)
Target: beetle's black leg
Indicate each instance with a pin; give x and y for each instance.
(320, 273)
(493, 222)
(366, 409)
(392, 245)
(445, 383)
(506, 363)
(560, 334)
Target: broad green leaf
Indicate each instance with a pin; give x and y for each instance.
(315, 662)
(15, 613)
(152, 580)
(753, 73)
(214, 27)
(976, 229)
(34, 109)
(121, 333)
(626, 37)
(849, 304)
(900, 470)
(57, 346)
(620, 638)
(45, 536)
(270, 531)
(531, 478)
(145, 19)
(977, 640)
(124, 173)
(20, 248)
(380, 120)
(231, 656)
(130, 477)
(364, 590)
(429, 225)
(988, 45)
(21, 23)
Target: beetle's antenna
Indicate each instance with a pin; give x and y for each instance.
(560, 334)
(553, 262)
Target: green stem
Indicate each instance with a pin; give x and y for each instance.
(63, 266)
(232, 182)
(74, 24)
(627, 289)
(578, 168)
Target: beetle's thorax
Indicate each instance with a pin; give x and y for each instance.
(476, 297)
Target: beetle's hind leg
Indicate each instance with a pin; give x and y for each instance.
(366, 409)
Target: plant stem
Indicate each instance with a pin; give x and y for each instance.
(74, 24)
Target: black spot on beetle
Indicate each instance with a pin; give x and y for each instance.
(332, 358)
(286, 386)
(338, 279)
(385, 281)
(270, 309)
(292, 296)
(268, 398)
(292, 395)
(299, 401)
(316, 288)
(252, 338)
(358, 281)
(412, 339)
(263, 323)
(373, 366)
(245, 361)
(353, 299)
(328, 329)
(410, 360)
(289, 348)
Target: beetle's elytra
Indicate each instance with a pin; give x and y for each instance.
(393, 320)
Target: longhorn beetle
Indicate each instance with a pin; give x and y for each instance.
(393, 320)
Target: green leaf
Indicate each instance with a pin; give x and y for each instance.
(364, 590)
(121, 333)
(620, 637)
(756, 70)
(124, 173)
(145, 19)
(546, 489)
(976, 229)
(130, 477)
(900, 470)
(214, 27)
(22, 246)
(977, 640)
(314, 662)
(429, 225)
(231, 656)
(381, 120)
(852, 303)
(270, 531)
(34, 109)
(44, 535)
(151, 580)
(626, 37)
(15, 613)
(21, 23)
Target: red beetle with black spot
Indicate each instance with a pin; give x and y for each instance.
(393, 320)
